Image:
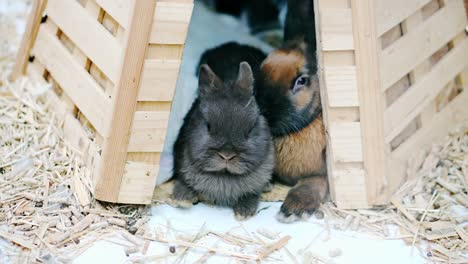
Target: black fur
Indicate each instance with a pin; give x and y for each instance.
(278, 107)
(224, 59)
(224, 121)
(300, 24)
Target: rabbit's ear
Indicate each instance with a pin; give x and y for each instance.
(207, 79)
(245, 79)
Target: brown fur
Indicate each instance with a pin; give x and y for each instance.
(282, 67)
(305, 197)
(300, 160)
(300, 154)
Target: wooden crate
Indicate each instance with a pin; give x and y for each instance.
(113, 66)
(394, 77)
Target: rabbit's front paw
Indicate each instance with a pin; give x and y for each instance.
(183, 196)
(246, 207)
(299, 204)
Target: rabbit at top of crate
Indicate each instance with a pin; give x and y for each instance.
(289, 96)
(224, 151)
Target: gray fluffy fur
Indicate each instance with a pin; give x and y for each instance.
(224, 119)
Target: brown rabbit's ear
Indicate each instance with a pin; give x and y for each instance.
(245, 78)
(207, 79)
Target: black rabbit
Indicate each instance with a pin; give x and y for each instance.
(224, 152)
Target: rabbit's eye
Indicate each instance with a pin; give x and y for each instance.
(300, 82)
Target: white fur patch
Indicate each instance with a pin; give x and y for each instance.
(292, 218)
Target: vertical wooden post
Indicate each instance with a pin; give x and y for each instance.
(29, 36)
(370, 99)
(114, 153)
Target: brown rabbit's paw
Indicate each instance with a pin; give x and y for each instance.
(299, 205)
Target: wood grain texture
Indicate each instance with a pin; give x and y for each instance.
(410, 104)
(114, 153)
(93, 39)
(391, 13)
(341, 86)
(138, 183)
(171, 22)
(158, 80)
(73, 79)
(412, 49)
(117, 9)
(350, 186)
(370, 99)
(337, 29)
(29, 37)
(346, 141)
(148, 131)
(323, 95)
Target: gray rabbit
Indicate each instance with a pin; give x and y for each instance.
(224, 152)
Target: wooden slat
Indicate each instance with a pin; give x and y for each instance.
(391, 13)
(73, 79)
(164, 52)
(350, 187)
(409, 51)
(124, 103)
(323, 4)
(442, 123)
(341, 86)
(171, 22)
(29, 37)
(158, 80)
(148, 131)
(323, 95)
(117, 9)
(343, 114)
(410, 104)
(93, 39)
(370, 99)
(138, 183)
(346, 141)
(337, 29)
(338, 58)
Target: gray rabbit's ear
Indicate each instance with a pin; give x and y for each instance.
(245, 78)
(207, 79)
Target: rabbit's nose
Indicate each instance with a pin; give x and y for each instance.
(227, 155)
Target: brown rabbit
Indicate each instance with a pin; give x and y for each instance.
(289, 96)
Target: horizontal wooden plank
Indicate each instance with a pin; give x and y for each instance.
(343, 114)
(413, 101)
(171, 22)
(88, 34)
(148, 131)
(333, 4)
(412, 49)
(350, 187)
(346, 141)
(339, 58)
(118, 10)
(138, 183)
(164, 51)
(391, 13)
(337, 29)
(158, 80)
(73, 79)
(341, 85)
